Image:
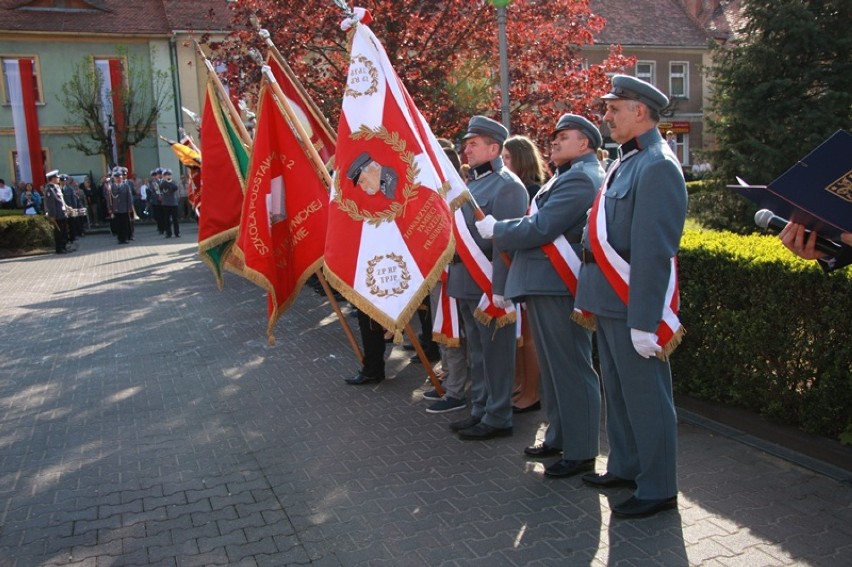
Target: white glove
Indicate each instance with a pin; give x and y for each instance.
(645, 343)
(486, 226)
(501, 302)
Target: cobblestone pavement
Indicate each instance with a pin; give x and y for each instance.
(144, 420)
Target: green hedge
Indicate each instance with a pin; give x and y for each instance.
(21, 233)
(766, 331)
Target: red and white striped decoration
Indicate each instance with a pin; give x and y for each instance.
(19, 73)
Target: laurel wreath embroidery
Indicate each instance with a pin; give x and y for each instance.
(374, 78)
(409, 191)
(371, 280)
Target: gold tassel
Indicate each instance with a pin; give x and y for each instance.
(672, 344)
(586, 321)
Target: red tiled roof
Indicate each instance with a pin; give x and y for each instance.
(122, 17)
(650, 23)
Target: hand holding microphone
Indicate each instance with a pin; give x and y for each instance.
(803, 243)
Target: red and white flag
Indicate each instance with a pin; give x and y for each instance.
(22, 99)
(284, 214)
(112, 106)
(390, 220)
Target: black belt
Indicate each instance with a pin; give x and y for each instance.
(589, 258)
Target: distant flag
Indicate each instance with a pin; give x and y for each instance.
(390, 219)
(22, 100)
(112, 106)
(226, 158)
(284, 213)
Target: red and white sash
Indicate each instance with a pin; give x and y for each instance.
(617, 272)
(445, 325)
(479, 266)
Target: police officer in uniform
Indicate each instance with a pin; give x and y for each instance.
(169, 204)
(569, 384)
(500, 194)
(156, 199)
(120, 204)
(644, 204)
(54, 204)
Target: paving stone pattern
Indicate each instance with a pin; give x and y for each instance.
(144, 420)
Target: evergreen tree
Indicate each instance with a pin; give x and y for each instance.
(781, 86)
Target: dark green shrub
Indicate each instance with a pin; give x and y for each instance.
(766, 331)
(715, 206)
(20, 232)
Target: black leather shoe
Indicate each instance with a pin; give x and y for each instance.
(533, 407)
(636, 508)
(607, 480)
(465, 423)
(482, 431)
(541, 451)
(362, 378)
(564, 468)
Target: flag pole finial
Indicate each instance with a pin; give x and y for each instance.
(347, 11)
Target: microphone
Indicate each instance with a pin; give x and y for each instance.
(766, 219)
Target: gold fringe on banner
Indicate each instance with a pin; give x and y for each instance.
(672, 345)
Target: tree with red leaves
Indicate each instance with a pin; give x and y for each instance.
(445, 52)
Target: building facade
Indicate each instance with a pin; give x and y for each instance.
(49, 39)
(671, 40)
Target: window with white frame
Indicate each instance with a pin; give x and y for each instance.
(679, 79)
(647, 71)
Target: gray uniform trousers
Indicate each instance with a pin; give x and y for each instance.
(492, 367)
(570, 390)
(641, 423)
(458, 372)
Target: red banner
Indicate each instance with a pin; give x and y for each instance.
(284, 213)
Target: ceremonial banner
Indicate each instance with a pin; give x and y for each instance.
(315, 124)
(223, 175)
(19, 75)
(284, 213)
(112, 106)
(390, 221)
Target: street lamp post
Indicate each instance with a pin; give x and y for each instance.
(504, 59)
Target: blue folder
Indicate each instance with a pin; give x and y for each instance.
(816, 192)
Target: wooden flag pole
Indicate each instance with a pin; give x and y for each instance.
(415, 342)
(297, 84)
(309, 148)
(220, 90)
(347, 330)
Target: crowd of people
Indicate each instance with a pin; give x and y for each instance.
(562, 279)
(117, 199)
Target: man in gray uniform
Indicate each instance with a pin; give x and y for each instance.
(499, 193)
(569, 384)
(169, 192)
(643, 210)
(54, 204)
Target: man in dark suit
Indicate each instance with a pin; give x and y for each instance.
(627, 281)
(491, 347)
(546, 242)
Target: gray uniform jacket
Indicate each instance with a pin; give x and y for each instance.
(645, 212)
(54, 204)
(170, 193)
(499, 193)
(119, 197)
(562, 206)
